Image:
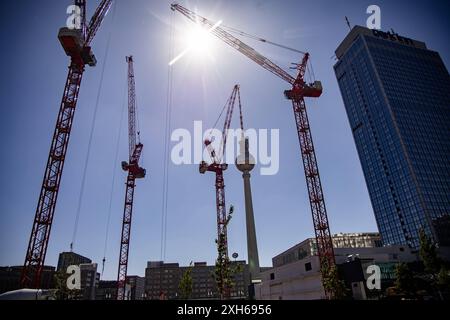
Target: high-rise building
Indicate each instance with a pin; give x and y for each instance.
(89, 277)
(137, 288)
(89, 280)
(397, 96)
(107, 290)
(70, 258)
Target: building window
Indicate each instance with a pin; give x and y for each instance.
(308, 266)
(272, 276)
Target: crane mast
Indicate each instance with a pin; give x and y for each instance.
(218, 167)
(296, 94)
(134, 172)
(77, 47)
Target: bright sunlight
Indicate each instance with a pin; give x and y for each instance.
(199, 41)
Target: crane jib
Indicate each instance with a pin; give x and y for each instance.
(237, 44)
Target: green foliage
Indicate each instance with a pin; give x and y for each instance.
(405, 280)
(185, 285)
(435, 270)
(435, 278)
(223, 273)
(333, 284)
(443, 279)
(428, 254)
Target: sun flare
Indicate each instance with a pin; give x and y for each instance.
(198, 40)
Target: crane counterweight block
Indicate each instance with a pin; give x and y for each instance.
(203, 167)
(312, 90)
(137, 171)
(72, 42)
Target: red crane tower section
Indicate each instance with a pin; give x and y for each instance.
(76, 44)
(296, 94)
(134, 172)
(218, 167)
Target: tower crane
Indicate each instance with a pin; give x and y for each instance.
(77, 45)
(134, 172)
(298, 91)
(218, 167)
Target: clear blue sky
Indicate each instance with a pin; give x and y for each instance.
(34, 69)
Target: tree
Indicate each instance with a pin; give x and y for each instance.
(434, 268)
(333, 284)
(405, 281)
(185, 285)
(223, 272)
(428, 254)
(443, 279)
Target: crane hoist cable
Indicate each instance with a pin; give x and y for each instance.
(257, 38)
(244, 34)
(91, 134)
(168, 115)
(116, 160)
(227, 104)
(220, 116)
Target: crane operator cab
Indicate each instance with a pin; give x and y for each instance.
(73, 44)
(312, 90)
(137, 171)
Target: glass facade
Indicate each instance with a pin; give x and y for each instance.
(397, 97)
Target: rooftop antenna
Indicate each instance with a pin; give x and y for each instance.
(348, 23)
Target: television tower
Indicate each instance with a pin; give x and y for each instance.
(245, 163)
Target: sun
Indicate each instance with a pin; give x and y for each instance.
(199, 40)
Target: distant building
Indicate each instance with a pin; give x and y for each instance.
(89, 275)
(296, 272)
(340, 240)
(137, 288)
(89, 280)
(397, 96)
(10, 278)
(161, 278)
(162, 281)
(70, 258)
(106, 290)
(357, 240)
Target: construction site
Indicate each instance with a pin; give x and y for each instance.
(193, 144)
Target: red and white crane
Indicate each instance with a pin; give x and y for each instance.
(77, 45)
(218, 166)
(299, 90)
(134, 172)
